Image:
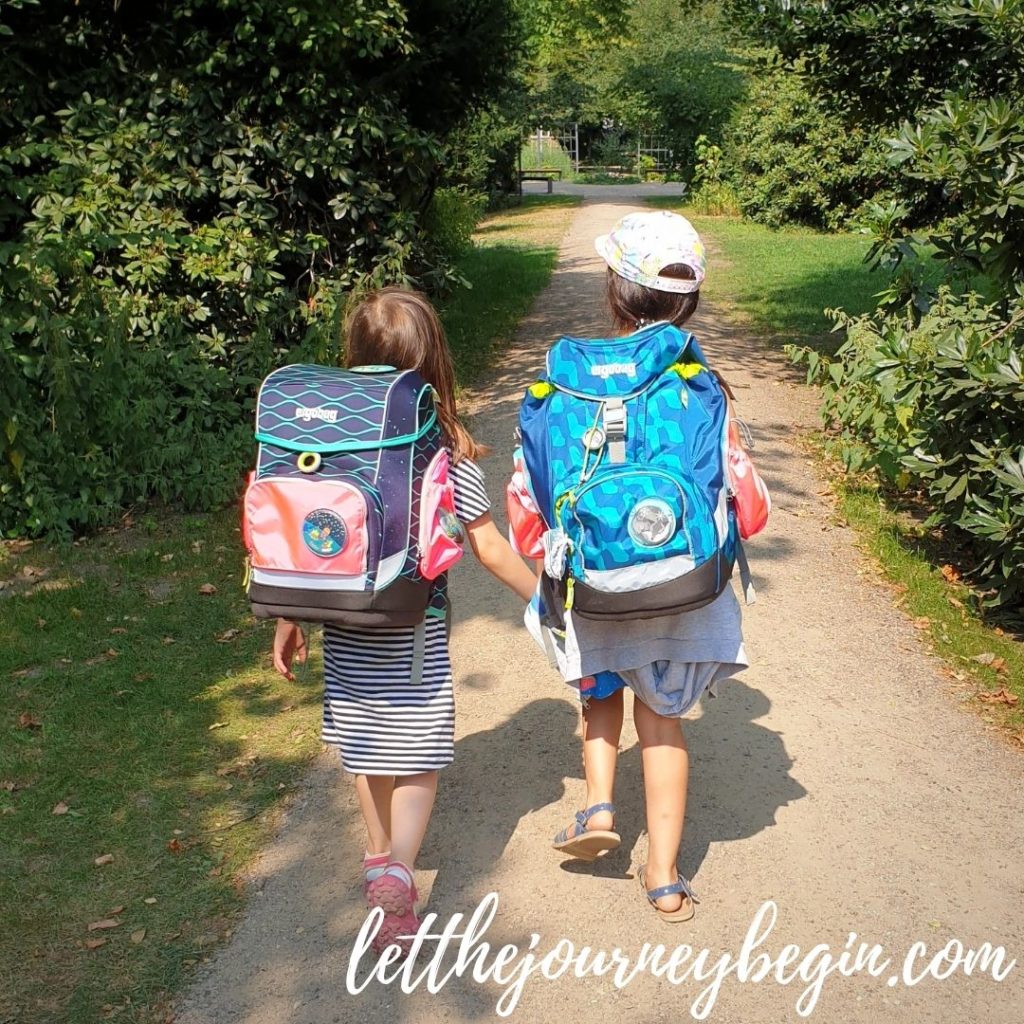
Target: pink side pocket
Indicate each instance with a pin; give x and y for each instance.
(525, 525)
(751, 499)
(441, 532)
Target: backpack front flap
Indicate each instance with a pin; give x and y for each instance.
(624, 443)
(332, 512)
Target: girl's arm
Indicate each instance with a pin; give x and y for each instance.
(498, 558)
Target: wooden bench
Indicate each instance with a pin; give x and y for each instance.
(548, 174)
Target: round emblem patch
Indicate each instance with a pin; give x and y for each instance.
(324, 533)
(652, 523)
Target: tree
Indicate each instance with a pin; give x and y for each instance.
(187, 190)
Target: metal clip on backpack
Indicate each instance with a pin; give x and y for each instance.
(350, 515)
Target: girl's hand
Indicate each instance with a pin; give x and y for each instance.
(289, 643)
(497, 557)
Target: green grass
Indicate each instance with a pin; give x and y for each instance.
(167, 747)
(514, 254)
(150, 712)
(939, 604)
(780, 282)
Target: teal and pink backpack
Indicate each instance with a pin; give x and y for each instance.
(349, 516)
(628, 478)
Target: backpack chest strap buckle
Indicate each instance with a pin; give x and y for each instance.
(613, 418)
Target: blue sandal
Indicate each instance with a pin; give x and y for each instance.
(685, 910)
(577, 841)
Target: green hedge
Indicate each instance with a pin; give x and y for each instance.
(939, 406)
(793, 159)
(187, 192)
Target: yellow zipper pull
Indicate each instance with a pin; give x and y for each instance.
(569, 591)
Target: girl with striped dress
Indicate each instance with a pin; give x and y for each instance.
(395, 732)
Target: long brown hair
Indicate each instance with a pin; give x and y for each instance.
(399, 327)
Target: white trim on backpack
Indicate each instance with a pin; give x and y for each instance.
(309, 580)
(640, 576)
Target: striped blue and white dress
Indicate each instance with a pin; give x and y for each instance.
(382, 722)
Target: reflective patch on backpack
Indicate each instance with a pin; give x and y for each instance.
(652, 523)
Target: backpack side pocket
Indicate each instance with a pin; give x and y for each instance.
(751, 499)
(525, 523)
(441, 533)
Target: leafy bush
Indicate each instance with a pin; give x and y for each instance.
(793, 159)
(449, 221)
(940, 406)
(187, 191)
(712, 194)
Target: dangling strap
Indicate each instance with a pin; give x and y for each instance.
(615, 430)
(419, 652)
(749, 594)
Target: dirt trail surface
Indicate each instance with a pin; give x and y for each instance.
(836, 777)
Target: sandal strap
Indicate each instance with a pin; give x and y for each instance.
(680, 885)
(584, 816)
(579, 826)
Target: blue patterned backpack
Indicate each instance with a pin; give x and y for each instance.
(624, 445)
(349, 516)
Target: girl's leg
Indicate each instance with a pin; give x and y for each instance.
(411, 804)
(375, 799)
(602, 726)
(666, 772)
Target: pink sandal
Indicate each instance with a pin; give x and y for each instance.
(394, 892)
(374, 865)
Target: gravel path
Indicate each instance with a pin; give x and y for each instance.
(837, 777)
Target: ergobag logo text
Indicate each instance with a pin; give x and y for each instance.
(348, 515)
(308, 413)
(606, 370)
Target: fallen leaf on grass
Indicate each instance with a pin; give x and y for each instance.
(150, 900)
(228, 635)
(60, 808)
(950, 573)
(106, 858)
(999, 664)
(138, 936)
(114, 911)
(954, 601)
(167, 558)
(214, 872)
(75, 613)
(984, 659)
(216, 725)
(143, 677)
(207, 589)
(174, 846)
(31, 571)
(95, 943)
(107, 922)
(28, 720)
(1000, 696)
(119, 629)
(922, 623)
(169, 640)
(41, 623)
